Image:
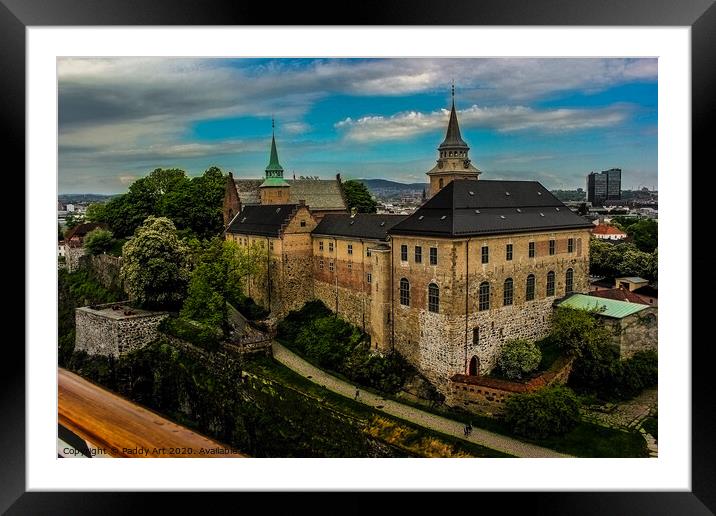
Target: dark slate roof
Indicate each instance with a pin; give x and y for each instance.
(362, 225)
(266, 220)
(319, 194)
(469, 207)
(452, 136)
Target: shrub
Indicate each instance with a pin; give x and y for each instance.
(519, 357)
(98, 241)
(202, 335)
(328, 340)
(248, 307)
(577, 331)
(288, 329)
(540, 414)
(639, 372)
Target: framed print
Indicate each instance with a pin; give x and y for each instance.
(285, 248)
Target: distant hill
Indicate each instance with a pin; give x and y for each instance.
(85, 197)
(384, 184)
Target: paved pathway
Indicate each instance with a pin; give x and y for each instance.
(426, 419)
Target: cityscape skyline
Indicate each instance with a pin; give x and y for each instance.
(553, 120)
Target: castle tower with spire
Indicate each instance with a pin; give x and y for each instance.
(274, 189)
(453, 157)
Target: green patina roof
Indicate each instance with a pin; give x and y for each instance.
(274, 165)
(607, 307)
(274, 181)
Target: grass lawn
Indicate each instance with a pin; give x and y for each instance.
(412, 438)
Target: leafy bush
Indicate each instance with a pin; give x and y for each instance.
(98, 241)
(288, 329)
(540, 414)
(328, 340)
(577, 331)
(248, 307)
(202, 335)
(519, 357)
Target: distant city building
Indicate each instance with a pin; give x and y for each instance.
(605, 186)
(70, 208)
(607, 232)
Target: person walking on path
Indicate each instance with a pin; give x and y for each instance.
(469, 428)
(357, 394)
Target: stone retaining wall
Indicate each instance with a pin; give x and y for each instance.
(114, 328)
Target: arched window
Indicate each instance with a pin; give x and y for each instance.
(404, 292)
(550, 283)
(569, 281)
(530, 292)
(474, 369)
(484, 300)
(433, 298)
(508, 292)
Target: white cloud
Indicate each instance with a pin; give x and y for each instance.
(502, 118)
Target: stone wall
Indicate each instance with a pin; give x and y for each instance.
(637, 332)
(72, 257)
(106, 269)
(114, 328)
(486, 395)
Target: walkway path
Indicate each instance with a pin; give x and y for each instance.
(425, 419)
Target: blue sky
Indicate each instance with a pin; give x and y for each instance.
(551, 120)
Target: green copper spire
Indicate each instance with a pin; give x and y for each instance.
(274, 170)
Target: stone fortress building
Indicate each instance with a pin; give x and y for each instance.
(479, 263)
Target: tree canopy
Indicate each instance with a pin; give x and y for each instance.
(621, 259)
(519, 357)
(155, 265)
(193, 204)
(358, 197)
(98, 241)
(221, 269)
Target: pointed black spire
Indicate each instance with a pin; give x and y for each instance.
(453, 139)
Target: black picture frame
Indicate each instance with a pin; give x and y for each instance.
(700, 15)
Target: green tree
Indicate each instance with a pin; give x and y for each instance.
(72, 220)
(329, 341)
(221, 270)
(548, 411)
(621, 259)
(644, 233)
(358, 197)
(97, 212)
(518, 357)
(155, 265)
(577, 332)
(98, 241)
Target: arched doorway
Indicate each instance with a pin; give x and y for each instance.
(474, 366)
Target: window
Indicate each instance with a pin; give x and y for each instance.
(403, 253)
(570, 245)
(433, 298)
(320, 264)
(508, 255)
(368, 277)
(367, 253)
(550, 283)
(404, 292)
(485, 254)
(418, 254)
(475, 336)
(330, 265)
(484, 299)
(303, 223)
(350, 248)
(330, 247)
(508, 292)
(530, 292)
(440, 183)
(531, 250)
(569, 281)
(271, 245)
(320, 245)
(551, 247)
(433, 256)
(350, 266)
